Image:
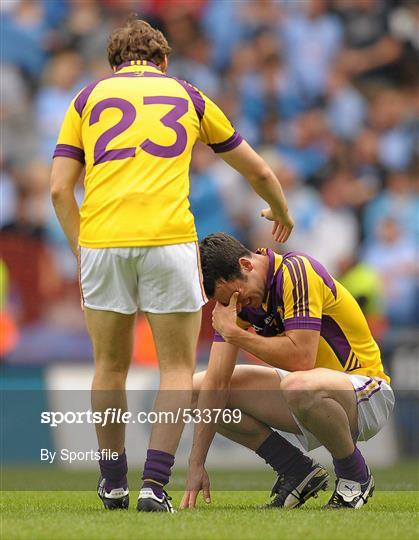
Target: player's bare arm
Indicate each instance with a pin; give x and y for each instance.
(213, 395)
(64, 175)
(263, 180)
(296, 350)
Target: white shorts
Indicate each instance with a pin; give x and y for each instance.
(160, 279)
(375, 400)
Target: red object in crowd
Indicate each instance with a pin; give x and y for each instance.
(9, 334)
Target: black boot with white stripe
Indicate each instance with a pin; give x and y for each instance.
(115, 499)
(149, 502)
(294, 491)
(350, 494)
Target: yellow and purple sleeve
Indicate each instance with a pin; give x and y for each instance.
(302, 295)
(69, 143)
(216, 129)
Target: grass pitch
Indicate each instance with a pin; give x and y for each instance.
(78, 515)
(67, 515)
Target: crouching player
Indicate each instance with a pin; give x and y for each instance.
(326, 385)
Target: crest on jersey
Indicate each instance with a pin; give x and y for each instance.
(280, 311)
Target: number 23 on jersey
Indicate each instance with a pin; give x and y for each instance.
(101, 151)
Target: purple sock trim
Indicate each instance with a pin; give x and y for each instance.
(282, 456)
(156, 488)
(115, 472)
(352, 467)
(157, 469)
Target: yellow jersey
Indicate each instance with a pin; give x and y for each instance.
(302, 294)
(135, 131)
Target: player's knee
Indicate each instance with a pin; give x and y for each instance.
(176, 372)
(177, 363)
(300, 392)
(113, 366)
(242, 378)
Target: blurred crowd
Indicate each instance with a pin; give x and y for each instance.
(326, 91)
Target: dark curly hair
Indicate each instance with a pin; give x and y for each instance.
(137, 40)
(220, 254)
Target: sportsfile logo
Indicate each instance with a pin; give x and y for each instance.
(118, 416)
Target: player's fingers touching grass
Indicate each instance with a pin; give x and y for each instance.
(197, 480)
(193, 495)
(189, 499)
(206, 494)
(184, 503)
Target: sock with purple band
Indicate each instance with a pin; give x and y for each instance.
(352, 467)
(282, 456)
(157, 470)
(115, 472)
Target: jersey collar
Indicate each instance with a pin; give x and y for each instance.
(275, 261)
(136, 65)
(271, 268)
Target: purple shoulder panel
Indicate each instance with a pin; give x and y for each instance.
(197, 99)
(81, 99)
(333, 334)
(319, 269)
(279, 283)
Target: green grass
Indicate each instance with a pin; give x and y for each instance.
(67, 515)
(78, 515)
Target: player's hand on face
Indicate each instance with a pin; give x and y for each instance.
(224, 317)
(198, 480)
(282, 225)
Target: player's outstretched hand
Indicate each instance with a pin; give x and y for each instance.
(282, 226)
(198, 480)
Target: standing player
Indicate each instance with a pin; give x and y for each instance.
(135, 235)
(328, 386)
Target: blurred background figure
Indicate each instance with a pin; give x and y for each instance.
(62, 78)
(327, 90)
(392, 255)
